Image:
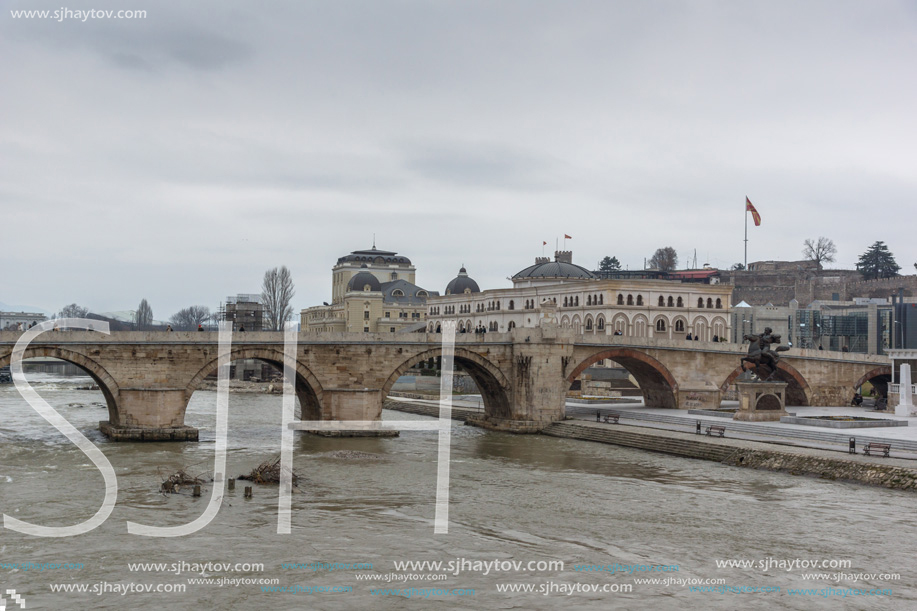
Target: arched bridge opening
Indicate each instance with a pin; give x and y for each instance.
(490, 381)
(877, 379)
(101, 377)
(656, 382)
(264, 366)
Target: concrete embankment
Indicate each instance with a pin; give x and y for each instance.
(875, 471)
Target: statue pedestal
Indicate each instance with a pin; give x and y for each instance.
(761, 401)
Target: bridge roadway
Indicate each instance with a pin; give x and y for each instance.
(148, 377)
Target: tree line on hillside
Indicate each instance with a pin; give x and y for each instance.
(876, 262)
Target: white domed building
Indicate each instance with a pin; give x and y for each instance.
(581, 301)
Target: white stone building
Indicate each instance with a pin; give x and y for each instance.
(11, 320)
(581, 301)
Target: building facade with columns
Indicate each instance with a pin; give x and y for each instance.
(576, 298)
(372, 291)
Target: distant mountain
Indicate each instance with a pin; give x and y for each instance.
(23, 308)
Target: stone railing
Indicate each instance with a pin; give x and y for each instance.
(896, 389)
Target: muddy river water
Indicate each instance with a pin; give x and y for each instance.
(535, 523)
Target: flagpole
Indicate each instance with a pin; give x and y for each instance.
(746, 236)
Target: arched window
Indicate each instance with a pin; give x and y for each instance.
(601, 324)
(577, 300)
(421, 293)
(601, 300)
(394, 275)
(639, 300)
(565, 302)
(498, 305)
(630, 300)
(397, 293)
(512, 305)
(510, 326)
(700, 302)
(661, 301)
(660, 325)
(620, 299)
(588, 324)
(671, 302)
(680, 326)
(709, 302)
(719, 303)
(681, 302)
(588, 300)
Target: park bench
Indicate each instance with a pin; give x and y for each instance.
(611, 418)
(715, 429)
(885, 448)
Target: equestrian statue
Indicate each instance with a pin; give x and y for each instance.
(761, 361)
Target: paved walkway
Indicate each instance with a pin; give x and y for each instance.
(767, 432)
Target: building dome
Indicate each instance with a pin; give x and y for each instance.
(375, 256)
(362, 279)
(555, 269)
(462, 284)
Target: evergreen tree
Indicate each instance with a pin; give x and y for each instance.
(878, 262)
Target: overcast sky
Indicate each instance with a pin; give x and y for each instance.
(177, 157)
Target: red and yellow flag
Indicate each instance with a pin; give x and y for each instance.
(749, 207)
(566, 237)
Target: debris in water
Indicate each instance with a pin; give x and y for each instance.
(268, 472)
(180, 478)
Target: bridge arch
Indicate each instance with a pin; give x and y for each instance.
(798, 391)
(308, 388)
(880, 377)
(99, 374)
(491, 382)
(656, 381)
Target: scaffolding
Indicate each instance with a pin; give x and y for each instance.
(243, 310)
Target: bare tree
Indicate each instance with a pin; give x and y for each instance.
(73, 311)
(144, 315)
(821, 250)
(665, 259)
(187, 319)
(276, 294)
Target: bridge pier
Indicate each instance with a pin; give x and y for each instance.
(539, 389)
(149, 415)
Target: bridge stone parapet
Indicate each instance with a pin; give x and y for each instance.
(148, 377)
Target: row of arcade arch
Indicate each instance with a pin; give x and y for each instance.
(657, 384)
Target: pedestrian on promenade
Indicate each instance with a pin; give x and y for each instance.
(241, 328)
(200, 327)
(169, 328)
(689, 337)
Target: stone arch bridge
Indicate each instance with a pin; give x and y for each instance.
(148, 378)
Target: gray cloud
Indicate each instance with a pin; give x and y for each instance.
(178, 157)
